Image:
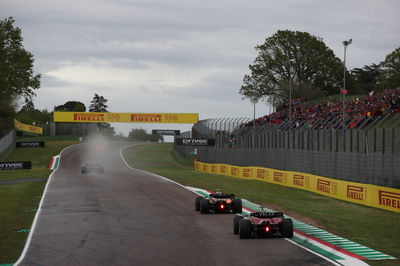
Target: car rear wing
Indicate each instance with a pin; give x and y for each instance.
(221, 196)
(267, 214)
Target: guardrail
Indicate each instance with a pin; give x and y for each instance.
(7, 141)
(374, 140)
(370, 155)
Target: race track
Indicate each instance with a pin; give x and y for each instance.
(128, 217)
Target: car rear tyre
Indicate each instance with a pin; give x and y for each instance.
(287, 228)
(236, 221)
(245, 228)
(204, 206)
(237, 205)
(197, 203)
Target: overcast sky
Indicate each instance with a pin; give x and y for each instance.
(182, 55)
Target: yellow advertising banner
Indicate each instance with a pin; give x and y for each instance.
(27, 128)
(365, 194)
(177, 118)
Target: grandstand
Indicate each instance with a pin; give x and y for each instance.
(366, 150)
(368, 111)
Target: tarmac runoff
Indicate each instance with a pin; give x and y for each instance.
(321, 242)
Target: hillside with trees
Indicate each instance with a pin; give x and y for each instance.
(17, 77)
(304, 63)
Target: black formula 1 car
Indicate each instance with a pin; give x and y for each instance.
(263, 224)
(92, 169)
(218, 203)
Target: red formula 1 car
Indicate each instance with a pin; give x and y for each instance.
(263, 224)
(218, 203)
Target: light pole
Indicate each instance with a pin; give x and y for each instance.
(345, 43)
(254, 111)
(254, 124)
(290, 101)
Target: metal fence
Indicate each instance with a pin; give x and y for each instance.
(7, 141)
(184, 150)
(369, 155)
(209, 127)
(374, 140)
(372, 168)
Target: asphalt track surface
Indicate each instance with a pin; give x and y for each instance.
(129, 217)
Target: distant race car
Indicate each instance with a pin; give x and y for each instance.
(218, 203)
(263, 224)
(92, 169)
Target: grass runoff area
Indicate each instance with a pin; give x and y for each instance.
(19, 201)
(374, 228)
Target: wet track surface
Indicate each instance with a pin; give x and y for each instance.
(129, 217)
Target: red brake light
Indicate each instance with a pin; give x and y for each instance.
(267, 229)
(222, 206)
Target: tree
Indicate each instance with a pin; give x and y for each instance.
(296, 57)
(389, 77)
(303, 90)
(98, 104)
(119, 137)
(16, 73)
(17, 78)
(7, 115)
(366, 78)
(28, 116)
(71, 106)
(141, 135)
(29, 106)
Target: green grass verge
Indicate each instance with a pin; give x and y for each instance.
(18, 200)
(374, 228)
(40, 158)
(49, 138)
(16, 203)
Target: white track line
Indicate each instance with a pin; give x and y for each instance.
(29, 239)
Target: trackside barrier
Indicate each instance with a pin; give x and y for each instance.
(365, 194)
(27, 128)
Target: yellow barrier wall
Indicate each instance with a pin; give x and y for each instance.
(179, 118)
(27, 128)
(365, 194)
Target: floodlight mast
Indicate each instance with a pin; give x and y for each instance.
(345, 44)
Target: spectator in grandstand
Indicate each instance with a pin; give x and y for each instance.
(356, 111)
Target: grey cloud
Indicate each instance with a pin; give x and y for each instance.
(188, 35)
